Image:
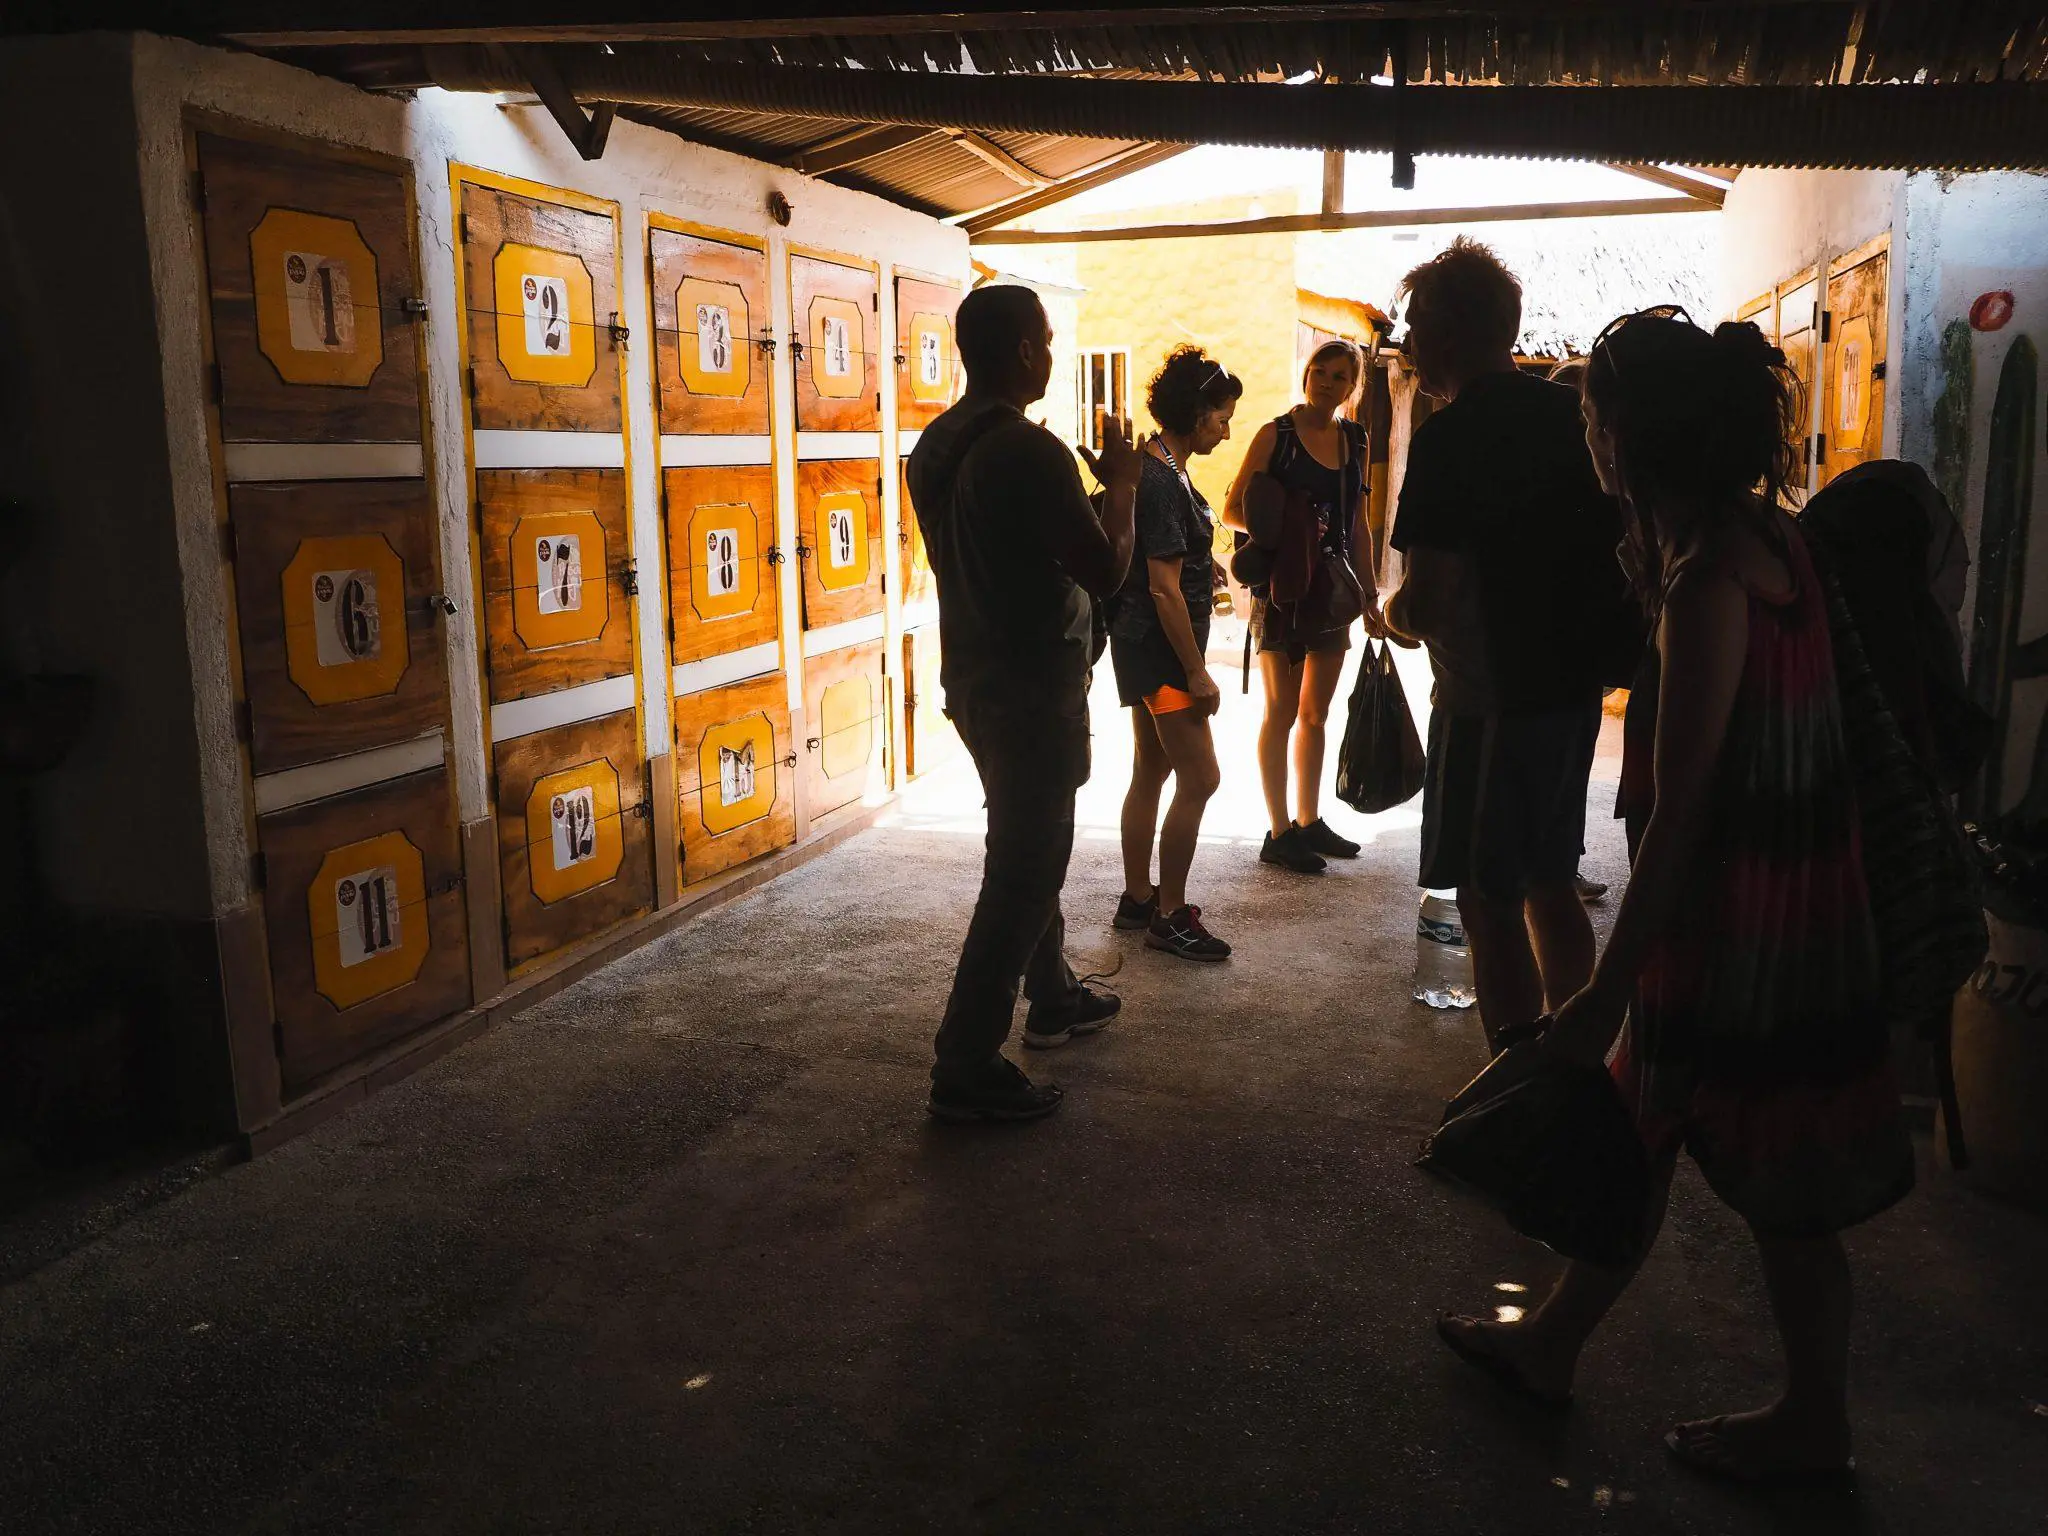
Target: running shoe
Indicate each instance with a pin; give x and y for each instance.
(1291, 851)
(1087, 1012)
(1132, 915)
(1322, 838)
(1181, 933)
(1000, 1091)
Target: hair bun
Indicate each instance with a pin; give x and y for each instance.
(1746, 346)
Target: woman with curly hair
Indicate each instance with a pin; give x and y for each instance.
(1313, 450)
(1743, 958)
(1158, 637)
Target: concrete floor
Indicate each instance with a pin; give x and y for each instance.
(679, 1251)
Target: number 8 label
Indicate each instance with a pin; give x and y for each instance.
(721, 562)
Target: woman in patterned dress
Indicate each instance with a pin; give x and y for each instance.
(1742, 957)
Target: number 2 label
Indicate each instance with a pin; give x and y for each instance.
(545, 301)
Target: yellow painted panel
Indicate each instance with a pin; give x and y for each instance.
(736, 770)
(842, 540)
(344, 618)
(560, 595)
(837, 361)
(574, 839)
(367, 908)
(716, 355)
(931, 359)
(847, 726)
(318, 320)
(725, 560)
(546, 317)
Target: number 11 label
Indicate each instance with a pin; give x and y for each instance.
(366, 914)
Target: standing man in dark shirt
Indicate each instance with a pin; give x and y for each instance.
(1514, 585)
(1017, 552)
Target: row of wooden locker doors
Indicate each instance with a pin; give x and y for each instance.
(317, 363)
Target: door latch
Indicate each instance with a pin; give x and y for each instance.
(620, 334)
(415, 307)
(629, 578)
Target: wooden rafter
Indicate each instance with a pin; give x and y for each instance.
(995, 155)
(1710, 193)
(1101, 173)
(1382, 218)
(850, 148)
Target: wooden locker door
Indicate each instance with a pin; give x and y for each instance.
(839, 534)
(575, 838)
(724, 593)
(735, 775)
(838, 385)
(846, 712)
(334, 590)
(928, 376)
(556, 554)
(913, 560)
(540, 283)
(712, 339)
(310, 267)
(1852, 405)
(1798, 330)
(1763, 310)
(930, 737)
(363, 906)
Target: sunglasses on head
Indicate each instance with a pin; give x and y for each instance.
(1620, 322)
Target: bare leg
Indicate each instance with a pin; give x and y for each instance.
(1149, 768)
(1811, 1298)
(1563, 938)
(1192, 751)
(1545, 1344)
(1283, 698)
(1504, 970)
(1320, 671)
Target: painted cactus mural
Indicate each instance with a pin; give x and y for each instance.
(1952, 413)
(2001, 561)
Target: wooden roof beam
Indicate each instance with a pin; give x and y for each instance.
(1379, 218)
(852, 147)
(995, 155)
(1712, 194)
(1101, 173)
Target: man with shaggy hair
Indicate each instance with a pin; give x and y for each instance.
(1513, 584)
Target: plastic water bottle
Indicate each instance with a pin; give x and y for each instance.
(1443, 963)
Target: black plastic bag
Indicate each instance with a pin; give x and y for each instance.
(1547, 1142)
(1380, 764)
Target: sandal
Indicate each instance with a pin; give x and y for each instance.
(1499, 1367)
(1706, 1452)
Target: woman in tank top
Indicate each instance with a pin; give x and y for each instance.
(1322, 454)
(1743, 957)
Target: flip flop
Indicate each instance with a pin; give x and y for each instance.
(1698, 1455)
(1501, 1369)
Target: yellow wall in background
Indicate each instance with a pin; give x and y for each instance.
(1233, 296)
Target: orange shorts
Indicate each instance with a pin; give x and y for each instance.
(1169, 700)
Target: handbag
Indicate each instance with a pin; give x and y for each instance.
(1380, 764)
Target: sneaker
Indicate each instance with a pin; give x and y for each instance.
(1181, 933)
(1087, 1012)
(1321, 838)
(1133, 915)
(1001, 1092)
(1589, 890)
(1290, 851)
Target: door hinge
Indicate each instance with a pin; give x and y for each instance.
(1820, 445)
(245, 721)
(199, 190)
(277, 1035)
(258, 870)
(1827, 325)
(216, 391)
(227, 542)
(471, 373)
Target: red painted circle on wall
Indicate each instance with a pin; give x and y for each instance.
(1991, 310)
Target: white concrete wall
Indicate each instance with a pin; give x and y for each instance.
(644, 170)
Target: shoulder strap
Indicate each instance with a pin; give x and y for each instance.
(1286, 442)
